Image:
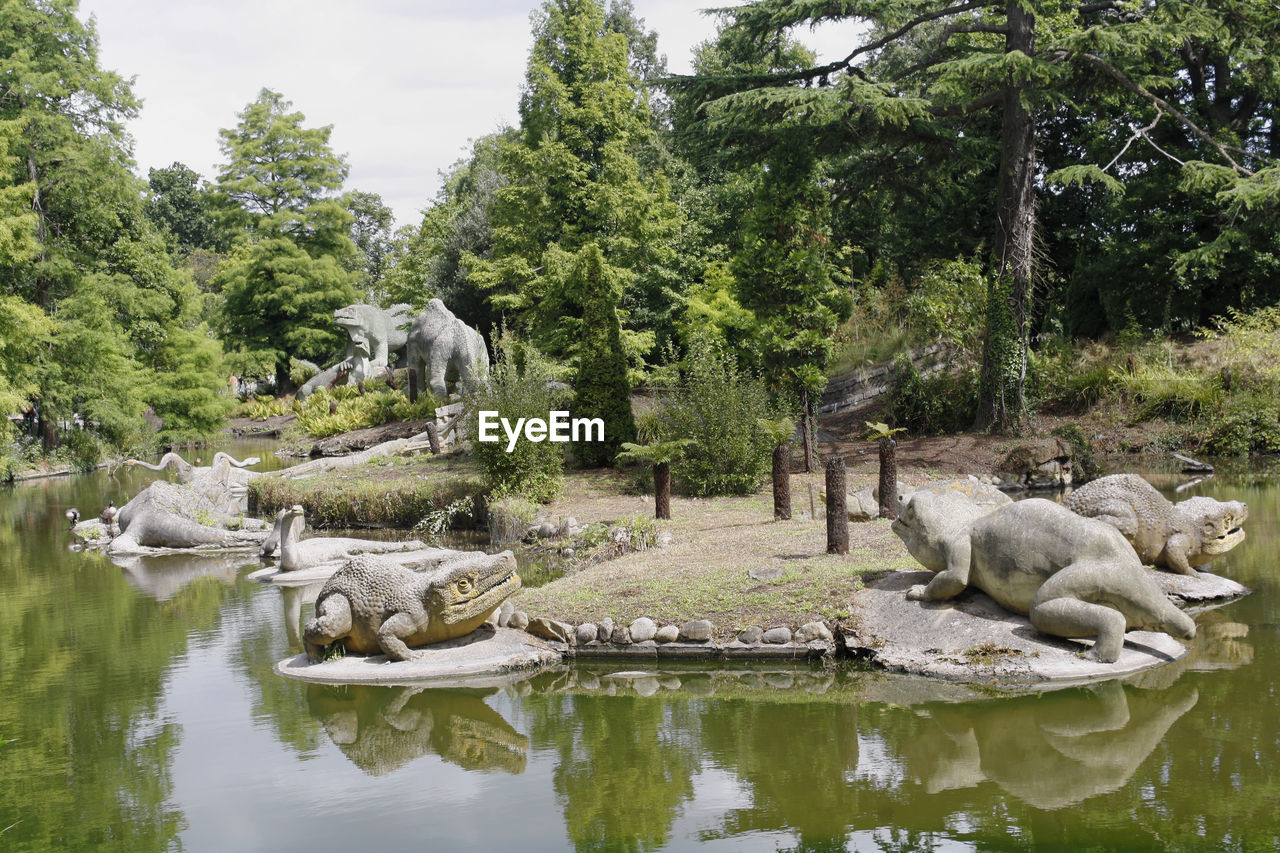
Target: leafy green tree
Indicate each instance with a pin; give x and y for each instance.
(601, 389)
(371, 222)
(279, 178)
(571, 180)
(188, 388)
(923, 69)
(279, 302)
(181, 207)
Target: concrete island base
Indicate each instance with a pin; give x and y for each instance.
(469, 660)
(971, 638)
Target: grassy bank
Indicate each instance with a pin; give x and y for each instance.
(391, 492)
(704, 573)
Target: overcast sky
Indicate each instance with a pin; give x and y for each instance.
(406, 84)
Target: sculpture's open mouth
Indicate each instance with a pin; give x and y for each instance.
(1224, 543)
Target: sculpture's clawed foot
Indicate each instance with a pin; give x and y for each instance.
(916, 593)
(1104, 652)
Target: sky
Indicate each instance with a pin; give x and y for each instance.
(405, 84)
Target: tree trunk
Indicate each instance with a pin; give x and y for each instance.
(782, 482)
(888, 478)
(1004, 353)
(662, 490)
(413, 385)
(433, 439)
(837, 508)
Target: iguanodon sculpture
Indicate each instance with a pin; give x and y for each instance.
(374, 604)
(1073, 576)
(1178, 536)
(441, 348)
(373, 334)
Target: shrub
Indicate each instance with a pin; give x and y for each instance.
(930, 405)
(520, 385)
(718, 406)
(379, 405)
(1248, 423)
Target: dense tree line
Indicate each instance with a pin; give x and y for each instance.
(1097, 166)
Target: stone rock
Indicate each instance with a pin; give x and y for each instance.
(586, 633)
(519, 620)
(546, 530)
(670, 682)
(646, 686)
(780, 680)
(504, 619)
(621, 636)
(777, 636)
(697, 631)
(1041, 464)
(550, 629)
(667, 634)
(663, 539)
(751, 635)
(568, 553)
(508, 607)
(643, 629)
(606, 630)
(812, 631)
(765, 573)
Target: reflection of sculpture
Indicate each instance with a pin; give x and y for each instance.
(1048, 751)
(442, 347)
(163, 576)
(1180, 537)
(1073, 576)
(381, 729)
(376, 605)
(297, 553)
(373, 334)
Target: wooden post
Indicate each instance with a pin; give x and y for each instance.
(837, 510)
(888, 478)
(413, 385)
(662, 490)
(782, 482)
(806, 434)
(433, 437)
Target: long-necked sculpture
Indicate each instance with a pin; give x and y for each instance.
(1074, 577)
(373, 334)
(1181, 536)
(297, 553)
(373, 604)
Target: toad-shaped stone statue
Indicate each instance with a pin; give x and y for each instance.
(374, 604)
(1178, 536)
(1073, 576)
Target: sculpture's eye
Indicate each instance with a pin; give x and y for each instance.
(1208, 527)
(464, 585)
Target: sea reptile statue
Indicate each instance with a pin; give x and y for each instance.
(373, 334)
(1074, 577)
(374, 604)
(298, 553)
(1179, 536)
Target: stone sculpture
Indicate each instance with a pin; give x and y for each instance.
(298, 553)
(373, 334)
(1178, 536)
(168, 515)
(442, 348)
(374, 604)
(1073, 576)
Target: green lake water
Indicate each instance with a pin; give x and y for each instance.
(139, 711)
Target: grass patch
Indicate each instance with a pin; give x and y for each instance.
(394, 493)
(703, 574)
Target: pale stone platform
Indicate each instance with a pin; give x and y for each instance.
(973, 639)
(471, 660)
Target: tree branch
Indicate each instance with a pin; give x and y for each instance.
(1160, 103)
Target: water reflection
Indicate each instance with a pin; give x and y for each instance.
(163, 576)
(1048, 751)
(381, 729)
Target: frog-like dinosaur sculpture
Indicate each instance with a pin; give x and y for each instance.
(1178, 536)
(374, 604)
(1074, 577)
